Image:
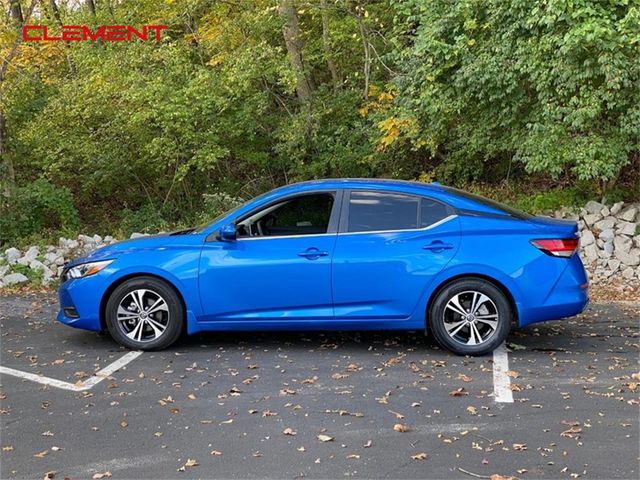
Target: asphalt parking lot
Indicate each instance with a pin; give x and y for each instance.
(365, 405)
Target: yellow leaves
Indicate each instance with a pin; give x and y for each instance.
(427, 177)
(392, 128)
(216, 60)
(419, 456)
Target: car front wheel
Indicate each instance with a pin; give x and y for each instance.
(144, 313)
(470, 317)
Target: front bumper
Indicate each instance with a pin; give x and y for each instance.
(82, 296)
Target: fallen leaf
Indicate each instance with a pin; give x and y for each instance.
(49, 475)
(41, 454)
(353, 456)
(519, 446)
(191, 396)
(324, 438)
(472, 410)
(464, 378)
(98, 476)
(124, 424)
(368, 444)
(398, 427)
(215, 453)
(458, 392)
(419, 456)
(189, 463)
(289, 431)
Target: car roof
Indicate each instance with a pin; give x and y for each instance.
(364, 183)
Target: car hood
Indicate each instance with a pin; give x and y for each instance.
(150, 242)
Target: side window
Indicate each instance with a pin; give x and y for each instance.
(303, 215)
(432, 212)
(375, 211)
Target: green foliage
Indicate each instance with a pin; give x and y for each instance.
(553, 85)
(37, 207)
(142, 136)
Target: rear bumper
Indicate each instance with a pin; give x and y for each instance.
(567, 297)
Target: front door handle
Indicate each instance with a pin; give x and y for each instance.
(438, 246)
(312, 253)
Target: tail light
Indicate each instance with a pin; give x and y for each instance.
(557, 247)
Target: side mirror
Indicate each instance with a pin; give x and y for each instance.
(228, 233)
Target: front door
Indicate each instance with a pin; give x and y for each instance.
(279, 268)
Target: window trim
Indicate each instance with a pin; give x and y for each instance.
(334, 217)
(346, 203)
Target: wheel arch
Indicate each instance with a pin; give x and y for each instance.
(115, 284)
(495, 282)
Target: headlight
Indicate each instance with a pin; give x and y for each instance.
(85, 269)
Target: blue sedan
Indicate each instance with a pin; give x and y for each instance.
(336, 255)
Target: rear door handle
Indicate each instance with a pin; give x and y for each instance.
(312, 253)
(438, 246)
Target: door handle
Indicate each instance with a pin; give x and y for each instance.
(438, 246)
(312, 254)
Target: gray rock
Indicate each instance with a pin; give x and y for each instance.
(138, 235)
(108, 239)
(629, 214)
(636, 241)
(3, 270)
(593, 207)
(627, 228)
(630, 259)
(608, 248)
(628, 273)
(97, 238)
(85, 239)
(591, 219)
(590, 253)
(12, 254)
(605, 223)
(14, 278)
(50, 258)
(605, 212)
(613, 264)
(616, 208)
(622, 244)
(606, 235)
(587, 238)
(37, 265)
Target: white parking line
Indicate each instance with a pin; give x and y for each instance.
(79, 386)
(501, 381)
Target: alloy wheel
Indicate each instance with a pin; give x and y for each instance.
(143, 315)
(470, 317)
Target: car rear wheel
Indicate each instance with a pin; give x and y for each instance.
(470, 317)
(144, 313)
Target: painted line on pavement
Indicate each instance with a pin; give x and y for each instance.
(79, 386)
(501, 382)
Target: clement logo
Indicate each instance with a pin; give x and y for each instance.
(106, 33)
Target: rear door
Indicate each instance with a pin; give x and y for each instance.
(389, 247)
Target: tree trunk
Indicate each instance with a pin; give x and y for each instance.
(326, 46)
(92, 7)
(58, 18)
(366, 68)
(16, 11)
(293, 41)
(8, 177)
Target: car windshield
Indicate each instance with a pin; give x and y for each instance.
(204, 226)
(514, 212)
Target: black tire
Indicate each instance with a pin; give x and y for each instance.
(172, 317)
(444, 319)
